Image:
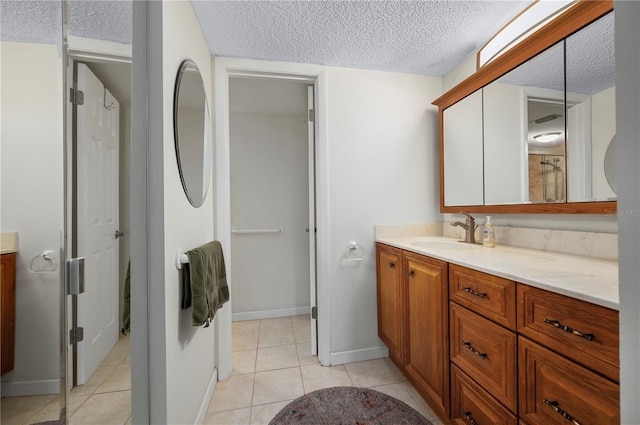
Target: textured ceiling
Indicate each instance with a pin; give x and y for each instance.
(102, 19)
(590, 58)
(31, 21)
(421, 37)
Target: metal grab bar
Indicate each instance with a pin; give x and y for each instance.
(257, 231)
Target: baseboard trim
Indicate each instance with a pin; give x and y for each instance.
(204, 406)
(25, 388)
(269, 314)
(342, 357)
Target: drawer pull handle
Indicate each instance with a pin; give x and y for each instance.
(472, 292)
(555, 406)
(392, 264)
(468, 346)
(588, 337)
(467, 415)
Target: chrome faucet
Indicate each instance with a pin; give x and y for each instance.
(469, 226)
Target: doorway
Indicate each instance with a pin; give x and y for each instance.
(272, 168)
(99, 366)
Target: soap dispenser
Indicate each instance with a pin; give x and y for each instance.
(488, 237)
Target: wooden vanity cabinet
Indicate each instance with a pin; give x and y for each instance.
(8, 310)
(482, 349)
(483, 346)
(390, 301)
(555, 390)
(426, 344)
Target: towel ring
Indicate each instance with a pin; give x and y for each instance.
(47, 256)
(352, 251)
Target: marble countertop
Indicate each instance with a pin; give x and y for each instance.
(586, 278)
(8, 242)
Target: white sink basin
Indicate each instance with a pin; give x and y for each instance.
(440, 244)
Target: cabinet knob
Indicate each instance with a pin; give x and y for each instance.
(392, 264)
(410, 273)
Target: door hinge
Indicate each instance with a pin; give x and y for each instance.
(314, 313)
(76, 335)
(312, 115)
(76, 97)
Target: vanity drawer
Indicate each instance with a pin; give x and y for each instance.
(584, 332)
(485, 351)
(490, 296)
(469, 402)
(554, 390)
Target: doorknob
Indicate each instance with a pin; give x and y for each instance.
(118, 234)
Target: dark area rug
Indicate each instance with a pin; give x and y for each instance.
(348, 406)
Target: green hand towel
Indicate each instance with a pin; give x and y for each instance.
(205, 282)
(126, 311)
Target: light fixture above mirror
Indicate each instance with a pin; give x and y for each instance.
(547, 137)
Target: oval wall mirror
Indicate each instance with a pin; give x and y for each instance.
(610, 164)
(192, 132)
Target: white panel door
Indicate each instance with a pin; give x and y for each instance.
(312, 220)
(97, 221)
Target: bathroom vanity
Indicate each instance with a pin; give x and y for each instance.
(501, 335)
(8, 308)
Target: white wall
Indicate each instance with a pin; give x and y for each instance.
(603, 128)
(181, 358)
(383, 168)
(33, 206)
(459, 73)
(628, 172)
(190, 351)
(269, 189)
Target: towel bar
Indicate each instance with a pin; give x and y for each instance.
(257, 231)
(181, 258)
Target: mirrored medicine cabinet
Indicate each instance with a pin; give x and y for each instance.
(533, 131)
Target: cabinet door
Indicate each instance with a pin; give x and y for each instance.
(462, 152)
(554, 390)
(390, 300)
(427, 351)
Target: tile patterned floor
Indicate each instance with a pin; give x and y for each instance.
(272, 366)
(104, 399)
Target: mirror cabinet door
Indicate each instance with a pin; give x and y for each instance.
(463, 173)
(524, 127)
(591, 110)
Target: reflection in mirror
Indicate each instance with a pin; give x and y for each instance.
(523, 124)
(192, 133)
(610, 165)
(591, 112)
(463, 152)
(32, 211)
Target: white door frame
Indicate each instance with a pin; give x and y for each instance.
(80, 50)
(315, 74)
